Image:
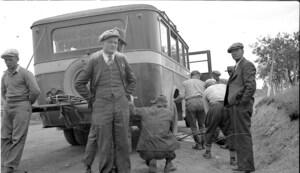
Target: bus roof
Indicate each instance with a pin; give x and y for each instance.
(93, 12)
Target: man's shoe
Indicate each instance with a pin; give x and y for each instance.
(169, 167)
(236, 170)
(233, 162)
(152, 166)
(224, 147)
(198, 147)
(87, 169)
(8, 170)
(207, 155)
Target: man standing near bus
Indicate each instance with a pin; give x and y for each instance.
(239, 98)
(19, 90)
(91, 146)
(112, 83)
(192, 91)
(216, 75)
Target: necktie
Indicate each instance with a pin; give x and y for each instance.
(110, 60)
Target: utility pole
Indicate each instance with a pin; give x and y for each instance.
(270, 83)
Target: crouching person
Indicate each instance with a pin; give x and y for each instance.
(157, 140)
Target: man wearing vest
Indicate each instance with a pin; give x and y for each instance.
(19, 90)
(112, 83)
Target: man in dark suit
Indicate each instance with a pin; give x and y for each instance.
(239, 100)
(112, 82)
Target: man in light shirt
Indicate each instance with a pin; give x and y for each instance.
(192, 91)
(216, 115)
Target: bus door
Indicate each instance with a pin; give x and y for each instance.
(201, 61)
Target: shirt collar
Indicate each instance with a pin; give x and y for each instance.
(237, 64)
(106, 56)
(16, 70)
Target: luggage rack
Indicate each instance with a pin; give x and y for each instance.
(58, 101)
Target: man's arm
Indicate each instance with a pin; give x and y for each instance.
(3, 88)
(83, 78)
(181, 95)
(205, 102)
(249, 72)
(32, 86)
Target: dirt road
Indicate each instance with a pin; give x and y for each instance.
(46, 151)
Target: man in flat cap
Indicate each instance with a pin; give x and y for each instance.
(19, 90)
(192, 91)
(91, 146)
(156, 140)
(239, 100)
(216, 75)
(112, 82)
(216, 116)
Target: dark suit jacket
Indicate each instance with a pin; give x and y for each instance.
(92, 73)
(241, 85)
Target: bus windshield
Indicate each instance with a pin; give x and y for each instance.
(80, 37)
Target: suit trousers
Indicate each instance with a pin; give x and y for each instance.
(218, 116)
(113, 133)
(14, 129)
(240, 116)
(92, 146)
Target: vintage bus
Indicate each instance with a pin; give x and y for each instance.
(157, 53)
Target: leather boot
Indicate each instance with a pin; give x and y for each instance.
(152, 166)
(198, 145)
(207, 154)
(169, 167)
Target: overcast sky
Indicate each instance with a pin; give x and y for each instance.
(204, 25)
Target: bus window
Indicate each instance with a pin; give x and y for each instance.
(174, 54)
(181, 54)
(80, 37)
(186, 58)
(164, 38)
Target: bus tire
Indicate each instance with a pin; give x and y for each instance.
(175, 119)
(81, 136)
(70, 137)
(71, 75)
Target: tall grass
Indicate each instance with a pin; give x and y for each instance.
(287, 100)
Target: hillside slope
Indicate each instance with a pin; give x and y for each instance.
(275, 131)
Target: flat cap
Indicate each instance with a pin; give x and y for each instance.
(209, 82)
(160, 100)
(11, 53)
(216, 72)
(122, 35)
(235, 46)
(195, 72)
(229, 68)
(109, 33)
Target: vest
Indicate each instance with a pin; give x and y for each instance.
(110, 82)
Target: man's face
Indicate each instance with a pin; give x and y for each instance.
(216, 77)
(11, 62)
(237, 54)
(110, 45)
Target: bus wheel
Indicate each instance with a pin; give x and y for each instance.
(175, 120)
(81, 136)
(70, 137)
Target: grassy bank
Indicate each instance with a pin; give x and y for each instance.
(275, 129)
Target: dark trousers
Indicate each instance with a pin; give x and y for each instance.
(113, 132)
(218, 116)
(157, 155)
(14, 129)
(240, 116)
(195, 115)
(92, 146)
